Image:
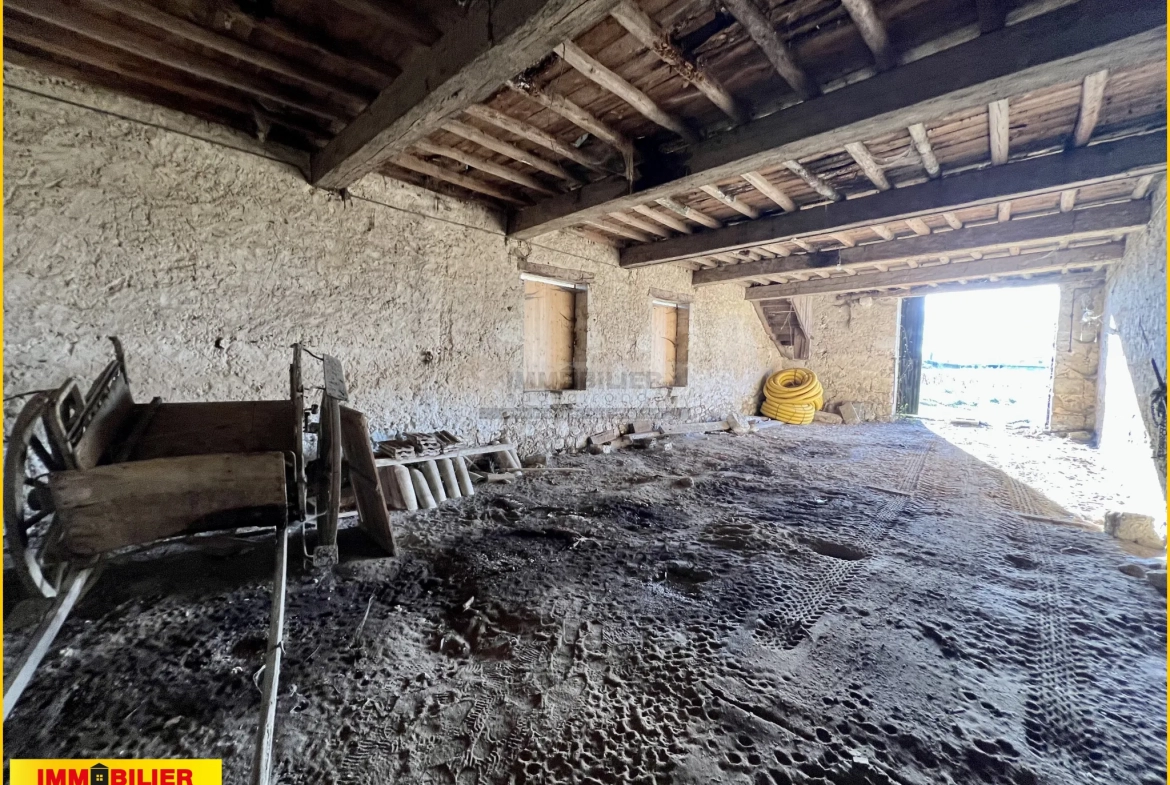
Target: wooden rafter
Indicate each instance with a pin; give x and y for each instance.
(1131, 157)
(1142, 189)
(419, 166)
(619, 230)
(772, 191)
(999, 130)
(992, 14)
(473, 134)
(666, 219)
(1068, 200)
(1087, 256)
(918, 226)
(922, 144)
(531, 133)
(398, 17)
(873, 32)
(814, 181)
(594, 71)
(869, 165)
(491, 44)
(646, 226)
(1092, 97)
(993, 282)
(574, 114)
(639, 24)
(1047, 50)
(484, 165)
(760, 29)
(690, 213)
(735, 204)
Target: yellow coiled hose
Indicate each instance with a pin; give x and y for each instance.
(792, 396)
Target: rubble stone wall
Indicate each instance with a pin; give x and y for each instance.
(1073, 405)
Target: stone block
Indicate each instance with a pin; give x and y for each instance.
(1134, 527)
(849, 413)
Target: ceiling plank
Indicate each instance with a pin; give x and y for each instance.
(574, 114)
(772, 191)
(1131, 157)
(1104, 221)
(1048, 50)
(531, 133)
(922, 144)
(1092, 97)
(637, 223)
(473, 134)
(475, 162)
(594, 71)
(869, 165)
(761, 30)
(429, 169)
(873, 32)
(1086, 256)
(627, 232)
(648, 32)
(493, 43)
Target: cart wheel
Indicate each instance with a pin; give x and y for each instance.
(28, 504)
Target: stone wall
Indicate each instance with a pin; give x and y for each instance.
(1073, 405)
(1133, 334)
(209, 256)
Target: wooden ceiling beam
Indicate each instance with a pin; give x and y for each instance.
(473, 134)
(772, 191)
(730, 201)
(873, 32)
(1130, 157)
(690, 213)
(1093, 222)
(532, 134)
(428, 147)
(869, 165)
(490, 45)
(992, 14)
(637, 223)
(97, 28)
(575, 115)
(429, 169)
(400, 18)
(181, 28)
(992, 282)
(760, 29)
(1048, 50)
(665, 219)
(639, 24)
(1092, 98)
(999, 130)
(922, 144)
(814, 181)
(627, 232)
(593, 70)
(1087, 256)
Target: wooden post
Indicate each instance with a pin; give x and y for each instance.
(465, 486)
(262, 762)
(329, 484)
(450, 484)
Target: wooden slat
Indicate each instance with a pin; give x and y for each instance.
(491, 44)
(665, 219)
(98, 29)
(730, 201)
(772, 191)
(531, 133)
(455, 178)
(1092, 97)
(639, 24)
(637, 223)
(482, 164)
(1142, 188)
(760, 29)
(918, 226)
(473, 134)
(363, 476)
(627, 232)
(999, 128)
(594, 71)
(1003, 211)
(925, 151)
(148, 14)
(1106, 253)
(1077, 168)
(873, 32)
(860, 153)
(1048, 50)
(814, 181)
(690, 213)
(574, 114)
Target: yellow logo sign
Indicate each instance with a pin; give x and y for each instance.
(116, 772)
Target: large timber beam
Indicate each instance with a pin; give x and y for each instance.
(491, 45)
(1134, 156)
(1051, 49)
(1088, 256)
(1106, 220)
(992, 283)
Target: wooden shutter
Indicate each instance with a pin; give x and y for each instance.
(664, 351)
(548, 336)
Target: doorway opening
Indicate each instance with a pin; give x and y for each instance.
(985, 355)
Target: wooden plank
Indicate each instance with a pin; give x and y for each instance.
(110, 507)
(1048, 50)
(97, 28)
(663, 346)
(574, 114)
(860, 153)
(735, 204)
(772, 191)
(209, 427)
(473, 134)
(922, 144)
(663, 218)
(637, 223)
(148, 14)
(532, 134)
(608, 79)
(1092, 98)
(1009, 265)
(363, 475)
(639, 24)
(999, 128)
(764, 267)
(694, 427)
(491, 44)
(420, 166)
(873, 32)
(266, 735)
(620, 230)
(484, 165)
(463, 452)
(760, 29)
(1124, 158)
(1040, 279)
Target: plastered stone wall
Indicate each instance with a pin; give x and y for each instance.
(854, 353)
(1073, 406)
(209, 260)
(1133, 334)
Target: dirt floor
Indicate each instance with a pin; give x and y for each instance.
(828, 604)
